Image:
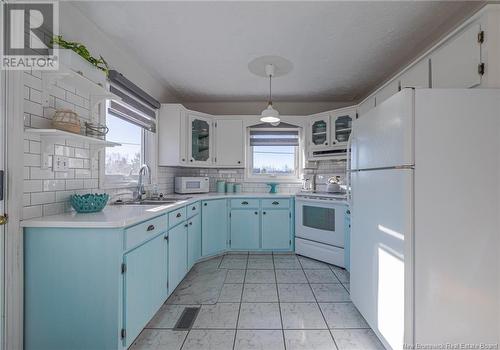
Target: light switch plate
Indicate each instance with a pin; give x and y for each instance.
(60, 163)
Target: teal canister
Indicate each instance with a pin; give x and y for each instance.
(237, 188)
(229, 187)
(221, 186)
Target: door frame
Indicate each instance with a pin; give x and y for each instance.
(13, 298)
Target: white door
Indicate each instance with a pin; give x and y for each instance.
(229, 143)
(455, 65)
(384, 136)
(200, 138)
(381, 236)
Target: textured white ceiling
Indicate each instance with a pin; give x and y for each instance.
(340, 50)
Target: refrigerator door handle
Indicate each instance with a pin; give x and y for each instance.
(348, 171)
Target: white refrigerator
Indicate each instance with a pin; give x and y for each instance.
(425, 206)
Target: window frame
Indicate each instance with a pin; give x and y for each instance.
(148, 154)
(250, 177)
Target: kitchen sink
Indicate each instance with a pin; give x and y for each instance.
(146, 202)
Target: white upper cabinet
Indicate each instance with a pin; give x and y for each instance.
(319, 131)
(229, 143)
(387, 91)
(365, 106)
(200, 140)
(172, 145)
(455, 65)
(417, 76)
(341, 123)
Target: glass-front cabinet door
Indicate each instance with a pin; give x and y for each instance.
(341, 126)
(320, 132)
(200, 140)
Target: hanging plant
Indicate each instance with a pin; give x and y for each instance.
(81, 50)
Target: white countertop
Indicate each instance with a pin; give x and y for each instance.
(119, 216)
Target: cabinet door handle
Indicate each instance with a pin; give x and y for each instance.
(244, 203)
(190, 223)
(191, 160)
(165, 238)
(326, 143)
(239, 162)
(178, 215)
(194, 208)
(276, 203)
(256, 212)
(205, 204)
(185, 225)
(264, 212)
(151, 227)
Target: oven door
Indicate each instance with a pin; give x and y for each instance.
(320, 220)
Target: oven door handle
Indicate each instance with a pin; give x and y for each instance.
(325, 202)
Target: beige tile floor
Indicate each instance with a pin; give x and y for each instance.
(261, 302)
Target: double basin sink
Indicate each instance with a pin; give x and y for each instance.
(159, 201)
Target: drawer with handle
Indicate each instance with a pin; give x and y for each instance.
(244, 203)
(193, 209)
(139, 233)
(177, 216)
(276, 203)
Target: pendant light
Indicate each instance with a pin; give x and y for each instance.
(270, 115)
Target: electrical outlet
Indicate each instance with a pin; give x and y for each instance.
(60, 163)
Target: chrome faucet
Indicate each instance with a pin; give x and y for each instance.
(144, 170)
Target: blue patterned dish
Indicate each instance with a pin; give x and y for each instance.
(89, 203)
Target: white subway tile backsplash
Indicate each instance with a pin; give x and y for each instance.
(26, 172)
(32, 212)
(40, 122)
(64, 151)
(54, 185)
(70, 174)
(34, 147)
(31, 159)
(90, 183)
(38, 173)
(32, 186)
(75, 163)
(54, 208)
(82, 153)
(26, 199)
(26, 146)
(35, 96)
(82, 173)
(32, 81)
(74, 184)
(42, 197)
(33, 108)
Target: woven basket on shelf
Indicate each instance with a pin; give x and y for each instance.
(67, 120)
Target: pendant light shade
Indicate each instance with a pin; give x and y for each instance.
(270, 115)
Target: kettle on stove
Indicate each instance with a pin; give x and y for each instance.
(333, 185)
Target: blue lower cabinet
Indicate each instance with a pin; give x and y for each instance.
(177, 255)
(214, 226)
(194, 240)
(143, 287)
(276, 227)
(72, 288)
(245, 229)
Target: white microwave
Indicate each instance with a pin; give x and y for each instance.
(191, 184)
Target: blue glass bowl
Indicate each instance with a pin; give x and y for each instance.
(89, 203)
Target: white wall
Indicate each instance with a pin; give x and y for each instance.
(74, 26)
(254, 108)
